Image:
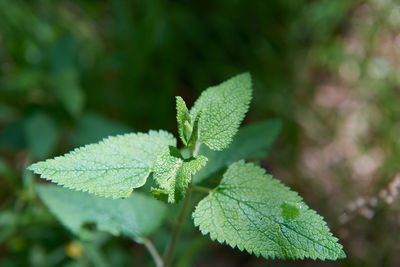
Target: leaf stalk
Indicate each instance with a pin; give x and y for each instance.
(201, 189)
(153, 252)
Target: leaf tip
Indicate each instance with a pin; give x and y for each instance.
(342, 254)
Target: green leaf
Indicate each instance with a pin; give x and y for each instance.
(67, 87)
(173, 173)
(112, 167)
(223, 108)
(160, 194)
(183, 120)
(253, 141)
(93, 127)
(253, 211)
(135, 217)
(12, 137)
(195, 134)
(41, 134)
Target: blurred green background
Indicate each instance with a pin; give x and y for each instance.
(73, 72)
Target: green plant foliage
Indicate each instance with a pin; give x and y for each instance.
(192, 143)
(183, 119)
(249, 209)
(251, 142)
(222, 108)
(173, 173)
(111, 168)
(327, 68)
(255, 212)
(92, 127)
(66, 84)
(41, 134)
(135, 217)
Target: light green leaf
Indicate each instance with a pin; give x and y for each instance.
(223, 108)
(253, 141)
(255, 212)
(112, 167)
(135, 217)
(160, 194)
(183, 119)
(195, 134)
(173, 173)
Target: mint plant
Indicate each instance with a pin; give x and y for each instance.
(248, 209)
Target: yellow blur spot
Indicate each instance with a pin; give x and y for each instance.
(74, 250)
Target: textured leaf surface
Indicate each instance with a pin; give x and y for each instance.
(223, 108)
(183, 119)
(173, 173)
(112, 167)
(253, 141)
(253, 211)
(136, 216)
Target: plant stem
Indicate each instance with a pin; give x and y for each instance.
(200, 188)
(196, 149)
(94, 255)
(153, 252)
(169, 253)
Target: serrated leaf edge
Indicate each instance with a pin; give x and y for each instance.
(83, 148)
(214, 236)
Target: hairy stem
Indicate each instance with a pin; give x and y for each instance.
(169, 253)
(153, 252)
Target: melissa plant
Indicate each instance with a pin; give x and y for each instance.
(248, 209)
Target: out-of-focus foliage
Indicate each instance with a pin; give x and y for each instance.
(136, 217)
(73, 72)
(251, 142)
